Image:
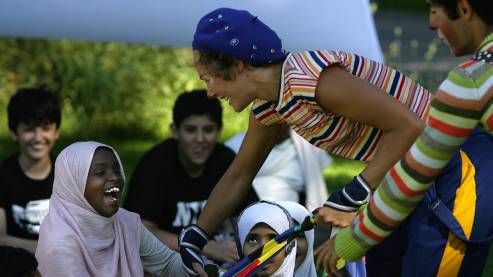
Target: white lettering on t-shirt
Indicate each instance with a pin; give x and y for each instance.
(187, 213)
(30, 217)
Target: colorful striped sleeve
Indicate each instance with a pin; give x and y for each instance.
(462, 103)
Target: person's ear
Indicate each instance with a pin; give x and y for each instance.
(239, 67)
(464, 8)
(57, 134)
(174, 130)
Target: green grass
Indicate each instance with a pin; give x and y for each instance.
(341, 172)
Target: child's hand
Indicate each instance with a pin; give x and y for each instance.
(327, 258)
(222, 251)
(336, 218)
(199, 269)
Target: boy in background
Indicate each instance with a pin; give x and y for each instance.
(26, 176)
(172, 181)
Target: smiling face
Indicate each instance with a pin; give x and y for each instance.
(36, 142)
(258, 236)
(236, 91)
(104, 182)
(454, 33)
(197, 136)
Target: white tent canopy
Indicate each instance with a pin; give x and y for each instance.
(302, 25)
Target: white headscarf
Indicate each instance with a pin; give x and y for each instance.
(277, 219)
(299, 213)
(74, 240)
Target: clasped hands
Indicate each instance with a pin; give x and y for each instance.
(326, 254)
(339, 211)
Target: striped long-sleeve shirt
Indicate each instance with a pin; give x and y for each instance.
(297, 106)
(463, 102)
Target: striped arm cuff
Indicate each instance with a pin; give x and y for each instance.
(347, 247)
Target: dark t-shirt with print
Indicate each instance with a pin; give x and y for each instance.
(24, 200)
(162, 192)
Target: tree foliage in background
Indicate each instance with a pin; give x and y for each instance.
(104, 87)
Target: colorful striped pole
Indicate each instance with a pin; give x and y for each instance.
(256, 260)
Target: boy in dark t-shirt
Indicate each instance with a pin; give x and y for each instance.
(179, 198)
(173, 180)
(26, 177)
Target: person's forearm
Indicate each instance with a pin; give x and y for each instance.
(168, 238)
(28, 244)
(392, 147)
(407, 182)
(233, 187)
(157, 258)
(209, 249)
(227, 195)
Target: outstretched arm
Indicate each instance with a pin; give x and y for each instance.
(341, 93)
(167, 238)
(233, 187)
(223, 251)
(157, 258)
(455, 111)
(228, 193)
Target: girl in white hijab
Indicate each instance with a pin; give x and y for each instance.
(261, 222)
(306, 268)
(305, 265)
(85, 233)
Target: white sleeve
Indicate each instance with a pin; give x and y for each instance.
(235, 142)
(157, 258)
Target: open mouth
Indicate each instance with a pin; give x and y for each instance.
(113, 193)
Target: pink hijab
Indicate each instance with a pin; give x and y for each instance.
(74, 240)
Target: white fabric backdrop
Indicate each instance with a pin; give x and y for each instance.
(302, 25)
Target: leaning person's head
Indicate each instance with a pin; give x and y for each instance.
(197, 123)
(34, 118)
(227, 44)
(261, 222)
(305, 265)
(90, 175)
(451, 7)
(458, 22)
